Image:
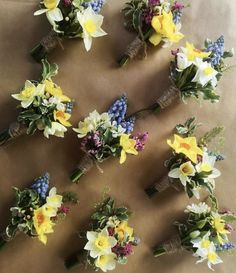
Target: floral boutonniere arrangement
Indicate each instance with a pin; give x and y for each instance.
(192, 165)
(107, 134)
(154, 21)
(204, 233)
(37, 210)
(194, 74)
(109, 241)
(43, 107)
(69, 19)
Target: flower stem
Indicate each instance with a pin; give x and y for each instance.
(4, 137)
(155, 108)
(38, 52)
(151, 191)
(2, 243)
(159, 251)
(76, 175)
(75, 259)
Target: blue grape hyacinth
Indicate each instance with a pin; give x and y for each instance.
(177, 15)
(96, 5)
(128, 125)
(118, 110)
(217, 50)
(69, 107)
(225, 247)
(41, 185)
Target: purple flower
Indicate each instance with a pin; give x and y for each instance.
(92, 143)
(153, 2)
(140, 141)
(64, 209)
(67, 3)
(229, 227)
(123, 251)
(128, 249)
(177, 6)
(147, 16)
(175, 52)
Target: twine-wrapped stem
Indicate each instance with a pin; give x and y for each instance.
(15, 130)
(76, 259)
(169, 247)
(4, 239)
(45, 46)
(163, 184)
(84, 166)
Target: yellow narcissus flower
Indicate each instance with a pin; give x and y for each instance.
(123, 231)
(187, 146)
(62, 117)
(165, 28)
(192, 53)
(55, 91)
(128, 146)
(43, 224)
(106, 262)
(219, 225)
(30, 91)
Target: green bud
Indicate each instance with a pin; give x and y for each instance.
(195, 234)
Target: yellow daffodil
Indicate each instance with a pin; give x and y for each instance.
(62, 117)
(192, 53)
(123, 231)
(187, 146)
(91, 24)
(43, 224)
(165, 29)
(55, 91)
(106, 262)
(52, 11)
(28, 94)
(128, 147)
(99, 243)
(219, 225)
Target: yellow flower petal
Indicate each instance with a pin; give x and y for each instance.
(155, 39)
(122, 157)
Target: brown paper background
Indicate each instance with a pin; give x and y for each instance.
(94, 81)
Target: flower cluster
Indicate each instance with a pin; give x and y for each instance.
(204, 232)
(193, 162)
(36, 210)
(43, 105)
(111, 240)
(196, 72)
(74, 18)
(109, 134)
(154, 21)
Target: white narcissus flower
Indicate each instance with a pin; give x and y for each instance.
(182, 61)
(183, 173)
(52, 11)
(198, 208)
(30, 91)
(106, 262)
(56, 129)
(99, 243)
(205, 73)
(91, 24)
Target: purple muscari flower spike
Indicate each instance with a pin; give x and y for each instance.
(217, 50)
(225, 247)
(128, 125)
(41, 185)
(96, 5)
(118, 110)
(140, 141)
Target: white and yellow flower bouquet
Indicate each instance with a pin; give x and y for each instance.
(36, 211)
(69, 19)
(192, 164)
(109, 241)
(105, 135)
(204, 232)
(155, 22)
(43, 107)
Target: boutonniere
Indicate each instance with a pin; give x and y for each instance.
(109, 241)
(43, 107)
(155, 22)
(106, 135)
(192, 164)
(204, 233)
(69, 19)
(37, 210)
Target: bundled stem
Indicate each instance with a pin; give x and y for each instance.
(172, 246)
(76, 259)
(45, 46)
(15, 130)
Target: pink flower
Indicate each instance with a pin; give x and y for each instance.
(67, 2)
(64, 209)
(140, 141)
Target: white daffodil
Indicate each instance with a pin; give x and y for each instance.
(200, 208)
(205, 73)
(52, 11)
(99, 243)
(106, 262)
(91, 24)
(202, 244)
(182, 61)
(54, 101)
(56, 129)
(183, 173)
(30, 91)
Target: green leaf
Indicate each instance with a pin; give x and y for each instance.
(49, 70)
(201, 223)
(229, 218)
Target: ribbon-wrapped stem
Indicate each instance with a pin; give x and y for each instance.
(15, 130)
(160, 186)
(84, 166)
(169, 247)
(76, 259)
(45, 46)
